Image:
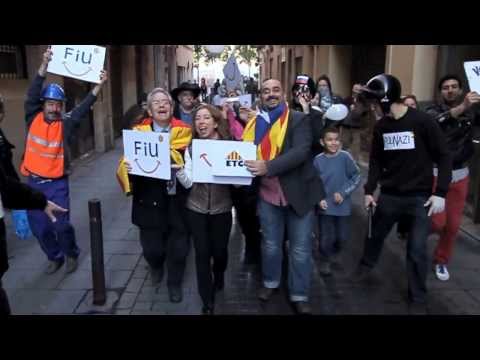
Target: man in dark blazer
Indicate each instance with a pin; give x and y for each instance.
(289, 189)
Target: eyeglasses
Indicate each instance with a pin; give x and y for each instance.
(161, 103)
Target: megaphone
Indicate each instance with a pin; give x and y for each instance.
(336, 112)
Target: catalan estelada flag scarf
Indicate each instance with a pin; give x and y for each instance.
(267, 130)
(180, 138)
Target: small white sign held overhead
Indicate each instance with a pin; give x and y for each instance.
(82, 62)
(203, 164)
(472, 70)
(148, 153)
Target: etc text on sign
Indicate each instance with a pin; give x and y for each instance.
(82, 62)
(148, 153)
(221, 161)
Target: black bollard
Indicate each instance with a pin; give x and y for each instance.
(96, 244)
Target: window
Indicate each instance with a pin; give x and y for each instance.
(12, 62)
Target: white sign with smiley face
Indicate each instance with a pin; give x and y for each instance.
(148, 153)
(82, 62)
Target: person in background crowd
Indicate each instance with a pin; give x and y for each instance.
(244, 197)
(303, 91)
(203, 89)
(325, 96)
(411, 101)
(185, 100)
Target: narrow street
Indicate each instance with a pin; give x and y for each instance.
(130, 291)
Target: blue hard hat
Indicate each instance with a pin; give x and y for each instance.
(53, 92)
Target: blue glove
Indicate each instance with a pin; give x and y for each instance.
(20, 221)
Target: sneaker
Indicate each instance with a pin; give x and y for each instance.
(325, 268)
(441, 272)
(71, 265)
(53, 267)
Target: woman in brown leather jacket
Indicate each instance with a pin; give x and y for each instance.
(209, 210)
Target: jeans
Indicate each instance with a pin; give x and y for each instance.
(447, 223)
(273, 220)
(210, 238)
(389, 210)
(334, 233)
(57, 239)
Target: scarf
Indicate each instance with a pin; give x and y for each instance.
(267, 130)
(180, 138)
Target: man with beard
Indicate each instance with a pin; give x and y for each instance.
(456, 114)
(49, 130)
(283, 138)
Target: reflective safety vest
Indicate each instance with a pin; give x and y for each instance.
(44, 152)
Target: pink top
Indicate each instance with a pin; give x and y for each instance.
(271, 191)
(236, 128)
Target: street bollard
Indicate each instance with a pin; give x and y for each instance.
(96, 244)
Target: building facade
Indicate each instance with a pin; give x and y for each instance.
(133, 70)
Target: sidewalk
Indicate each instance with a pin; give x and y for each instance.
(32, 292)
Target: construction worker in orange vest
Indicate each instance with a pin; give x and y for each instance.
(49, 129)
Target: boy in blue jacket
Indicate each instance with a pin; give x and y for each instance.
(341, 176)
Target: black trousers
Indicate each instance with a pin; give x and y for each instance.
(389, 210)
(404, 224)
(210, 238)
(170, 243)
(4, 305)
(246, 208)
